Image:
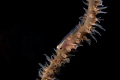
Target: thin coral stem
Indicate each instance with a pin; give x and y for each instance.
(73, 40)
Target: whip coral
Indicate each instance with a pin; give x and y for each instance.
(73, 40)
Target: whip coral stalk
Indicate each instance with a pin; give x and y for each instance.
(73, 40)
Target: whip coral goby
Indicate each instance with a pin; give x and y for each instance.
(73, 40)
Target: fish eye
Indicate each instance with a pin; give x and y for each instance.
(58, 47)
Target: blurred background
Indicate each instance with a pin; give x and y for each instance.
(30, 29)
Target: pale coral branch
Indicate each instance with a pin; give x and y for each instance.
(73, 40)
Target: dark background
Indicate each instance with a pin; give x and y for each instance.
(30, 29)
